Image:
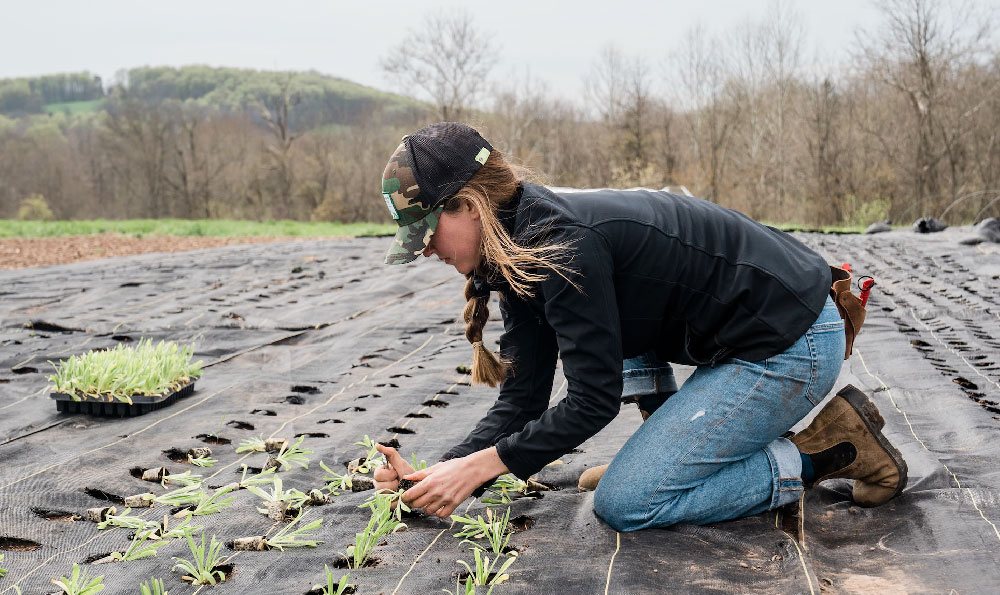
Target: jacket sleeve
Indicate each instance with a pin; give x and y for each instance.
(587, 329)
(531, 345)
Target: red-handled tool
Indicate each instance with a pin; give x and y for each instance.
(866, 284)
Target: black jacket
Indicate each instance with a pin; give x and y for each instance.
(694, 281)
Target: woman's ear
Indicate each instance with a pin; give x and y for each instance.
(473, 211)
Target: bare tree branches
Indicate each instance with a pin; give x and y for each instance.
(447, 58)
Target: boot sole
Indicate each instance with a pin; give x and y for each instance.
(873, 420)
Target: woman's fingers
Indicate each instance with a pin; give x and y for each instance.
(395, 459)
(385, 474)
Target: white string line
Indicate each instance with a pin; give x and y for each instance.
(954, 477)
(611, 564)
(802, 558)
(217, 471)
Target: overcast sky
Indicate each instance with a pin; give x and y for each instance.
(556, 41)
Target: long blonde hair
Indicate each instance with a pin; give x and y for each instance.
(487, 191)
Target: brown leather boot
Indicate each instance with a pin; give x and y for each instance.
(591, 477)
(850, 423)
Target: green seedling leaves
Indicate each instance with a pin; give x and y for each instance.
(118, 374)
(79, 583)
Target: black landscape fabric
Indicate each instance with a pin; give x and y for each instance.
(319, 339)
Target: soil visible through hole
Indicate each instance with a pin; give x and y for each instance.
(240, 425)
(400, 430)
(341, 562)
(521, 523)
(213, 439)
(312, 390)
(15, 544)
(102, 495)
(59, 516)
(176, 455)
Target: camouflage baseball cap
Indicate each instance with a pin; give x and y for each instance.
(427, 168)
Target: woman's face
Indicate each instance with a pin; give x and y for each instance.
(457, 238)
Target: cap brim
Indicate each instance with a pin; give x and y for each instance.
(411, 240)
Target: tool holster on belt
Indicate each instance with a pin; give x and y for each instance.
(848, 304)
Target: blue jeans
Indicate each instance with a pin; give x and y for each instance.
(712, 451)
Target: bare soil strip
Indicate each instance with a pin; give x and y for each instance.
(17, 253)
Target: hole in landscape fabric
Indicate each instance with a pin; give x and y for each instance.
(418, 415)
(213, 439)
(294, 400)
(341, 562)
(122, 338)
(522, 523)
(392, 443)
(434, 403)
(176, 455)
(312, 390)
(400, 430)
(24, 370)
(95, 558)
(312, 435)
(964, 383)
(16, 544)
(240, 425)
(267, 412)
(60, 516)
(330, 421)
(102, 495)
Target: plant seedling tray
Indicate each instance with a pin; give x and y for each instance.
(141, 404)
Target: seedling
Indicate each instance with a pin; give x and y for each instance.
(202, 461)
(137, 551)
(188, 494)
(210, 503)
(508, 487)
(79, 583)
(185, 528)
(290, 455)
(372, 456)
(494, 528)
(128, 521)
(2, 571)
(264, 477)
(417, 465)
(336, 481)
(251, 445)
(381, 523)
(468, 589)
(486, 573)
(153, 587)
(288, 538)
(118, 374)
(333, 588)
(182, 479)
(201, 570)
(278, 500)
(395, 500)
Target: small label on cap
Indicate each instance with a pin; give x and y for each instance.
(483, 155)
(391, 205)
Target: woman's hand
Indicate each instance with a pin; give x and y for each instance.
(387, 478)
(448, 483)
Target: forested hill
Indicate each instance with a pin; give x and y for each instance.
(318, 99)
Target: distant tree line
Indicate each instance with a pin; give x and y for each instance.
(23, 96)
(911, 129)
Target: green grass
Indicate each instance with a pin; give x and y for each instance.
(817, 228)
(73, 107)
(11, 228)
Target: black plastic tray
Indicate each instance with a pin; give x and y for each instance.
(141, 404)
